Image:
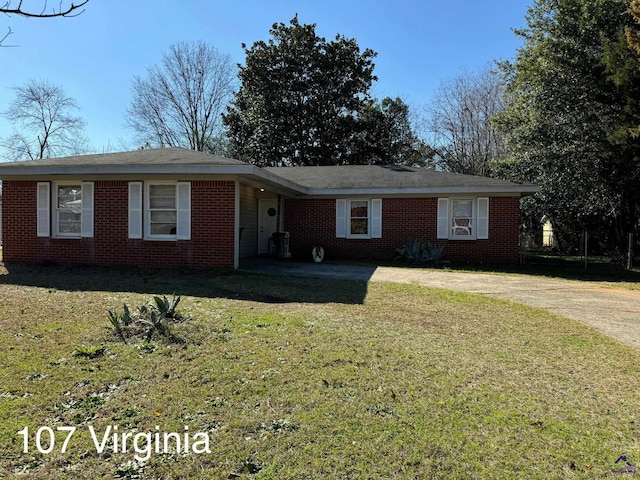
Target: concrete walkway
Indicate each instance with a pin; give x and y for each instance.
(613, 311)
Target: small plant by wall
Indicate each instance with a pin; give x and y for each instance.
(418, 252)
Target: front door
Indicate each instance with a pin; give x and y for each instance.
(267, 223)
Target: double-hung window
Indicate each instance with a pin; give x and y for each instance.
(68, 210)
(462, 213)
(65, 209)
(359, 218)
(463, 218)
(163, 213)
(166, 210)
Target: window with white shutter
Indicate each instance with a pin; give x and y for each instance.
(483, 218)
(86, 210)
(69, 208)
(341, 218)
(463, 218)
(183, 200)
(376, 218)
(135, 210)
(167, 211)
(443, 218)
(359, 218)
(44, 212)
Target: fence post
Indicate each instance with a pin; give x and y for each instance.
(630, 252)
(586, 249)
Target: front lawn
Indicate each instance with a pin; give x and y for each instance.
(293, 378)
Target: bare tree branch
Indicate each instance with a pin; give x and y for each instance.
(460, 123)
(5, 37)
(44, 122)
(71, 11)
(180, 101)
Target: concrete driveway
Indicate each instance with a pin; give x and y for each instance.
(613, 311)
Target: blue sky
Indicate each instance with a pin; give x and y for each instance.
(420, 43)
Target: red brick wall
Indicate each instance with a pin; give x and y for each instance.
(312, 222)
(212, 229)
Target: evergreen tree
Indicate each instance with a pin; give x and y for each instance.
(568, 111)
(299, 98)
(633, 31)
(385, 136)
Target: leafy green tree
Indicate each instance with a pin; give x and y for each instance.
(385, 136)
(622, 166)
(632, 32)
(624, 64)
(565, 116)
(299, 98)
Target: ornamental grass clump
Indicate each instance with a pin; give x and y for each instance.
(148, 321)
(418, 252)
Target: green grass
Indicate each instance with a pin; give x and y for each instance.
(599, 269)
(301, 378)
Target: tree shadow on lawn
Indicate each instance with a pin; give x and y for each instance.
(221, 283)
(598, 269)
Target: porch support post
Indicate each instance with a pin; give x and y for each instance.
(586, 249)
(278, 213)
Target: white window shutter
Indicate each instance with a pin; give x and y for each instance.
(44, 211)
(135, 209)
(86, 218)
(483, 218)
(376, 218)
(341, 218)
(443, 218)
(183, 204)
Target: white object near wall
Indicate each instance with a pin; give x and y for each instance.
(318, 254)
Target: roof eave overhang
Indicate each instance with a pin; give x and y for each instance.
(276, 182)
(515, 190)
(123, 170)
(252, 172)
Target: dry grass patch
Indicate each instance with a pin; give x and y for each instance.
(302, 378)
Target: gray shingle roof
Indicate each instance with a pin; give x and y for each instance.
(328, 180)
(159, 156)
(382, 177)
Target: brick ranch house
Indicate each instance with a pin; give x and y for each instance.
(177, 207)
